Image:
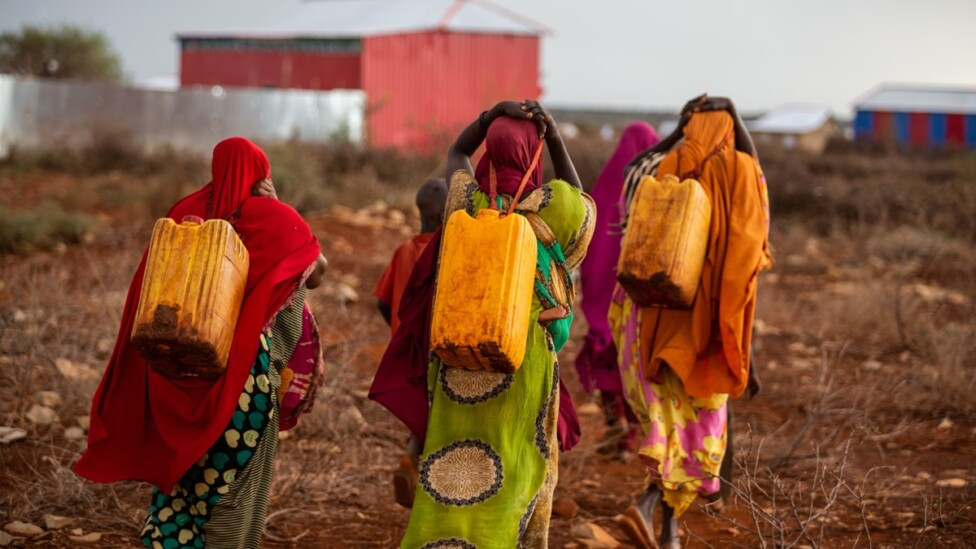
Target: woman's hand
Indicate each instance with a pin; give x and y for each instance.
(706, 103)
(541, 116)
(264, 187)
(556, 313)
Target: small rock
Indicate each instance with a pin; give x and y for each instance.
(571, 545)
(590, 483)
(93, 537)
(871, 365)
(83, 421)
(41, 415)
(19, 528)
(104, 345)
(951, 483)
(589, 409)
(924, 476)
(945, 424)
(283, 435)
(347, 293)
(565, 507)
(74, 433)
(48, 398)
(5, 539)
(351, 420)
(77, 532)
(20, 316)
(593, 536)
(72, 370)
(55, 522)
(11, 434)
(772, 365)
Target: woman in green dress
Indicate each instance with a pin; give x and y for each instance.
(490, 459)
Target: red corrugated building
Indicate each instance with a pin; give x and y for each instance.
(427, 66)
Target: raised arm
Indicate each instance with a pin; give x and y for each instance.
(743, 140)
(562, 164)
(460, 152)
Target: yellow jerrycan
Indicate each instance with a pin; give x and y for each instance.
(191, 297)
(663, 250)
(484, 291)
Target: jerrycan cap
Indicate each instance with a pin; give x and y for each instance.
(488, 213)
(192, 219)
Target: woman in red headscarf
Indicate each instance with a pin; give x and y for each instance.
(208, 447)
(490, 455)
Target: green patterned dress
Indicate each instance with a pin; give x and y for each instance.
(222, 501)
(490, 458)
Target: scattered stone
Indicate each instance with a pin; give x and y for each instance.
(77, 532)
(346, 293)
(5, 539)
(923, 476)
(11, 434)
(951, 483)
(93, 537)
(351, 420)
(935, 294)
(802, 364)
(48, 398)
(571, 545)
(772, 365)
(871, 365)
(27, 529)
(945, 424)
(283, 435)
(55, 522)
(565, 507)
(72, 370)
(20, 316)
(590, 483)
(74, 433)
(589, 409)
(41, 415)
(593, 536)
(104, 345)
(83, 421)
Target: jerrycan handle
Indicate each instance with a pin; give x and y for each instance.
(192, 219)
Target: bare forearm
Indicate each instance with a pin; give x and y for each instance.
(562, 164)
(743, 140)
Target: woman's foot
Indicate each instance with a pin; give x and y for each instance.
(405, 482)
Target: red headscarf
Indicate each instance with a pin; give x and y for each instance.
(147, 427)
(509, 146)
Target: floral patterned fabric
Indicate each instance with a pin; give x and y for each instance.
(684, 437)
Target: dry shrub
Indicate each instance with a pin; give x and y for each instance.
(22, 232)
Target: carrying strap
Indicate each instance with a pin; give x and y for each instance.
(493, 181)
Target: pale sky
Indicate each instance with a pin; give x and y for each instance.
(644, 54)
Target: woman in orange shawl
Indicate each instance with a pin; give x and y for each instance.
(680, 366)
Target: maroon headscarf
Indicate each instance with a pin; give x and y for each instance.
(597, 361)
(145, 426)
(509, 147)
(400, 384)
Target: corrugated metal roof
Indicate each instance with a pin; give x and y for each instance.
(919, 99)
(356, 18)
(792, 118)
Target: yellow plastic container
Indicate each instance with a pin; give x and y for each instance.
(664, 248)
(191, 297)
(484, 291)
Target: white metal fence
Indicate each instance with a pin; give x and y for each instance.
(42, 113)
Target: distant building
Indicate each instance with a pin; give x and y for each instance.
(427, 66)
(919, 116)
(800, 126)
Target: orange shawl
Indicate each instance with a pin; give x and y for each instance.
(708, 345)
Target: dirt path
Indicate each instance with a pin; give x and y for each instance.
(860, 471)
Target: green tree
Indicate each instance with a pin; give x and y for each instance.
(62, 52)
